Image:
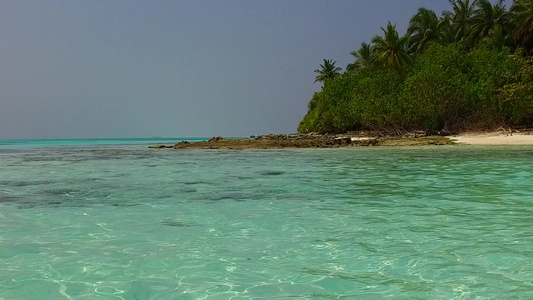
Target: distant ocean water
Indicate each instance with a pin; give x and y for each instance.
(36, 143)
(111, 219)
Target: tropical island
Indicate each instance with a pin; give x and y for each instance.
(470, 69)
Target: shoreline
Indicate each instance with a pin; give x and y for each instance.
(360, 139)
(495, 138)
(308, 141)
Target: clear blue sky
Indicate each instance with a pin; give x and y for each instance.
(89, 69)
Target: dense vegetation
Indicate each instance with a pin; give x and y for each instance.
(472, 68)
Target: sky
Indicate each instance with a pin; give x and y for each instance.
(175, 68)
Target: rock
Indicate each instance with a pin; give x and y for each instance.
(216, 139)
(280, 141)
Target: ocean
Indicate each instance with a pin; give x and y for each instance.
(112, 219)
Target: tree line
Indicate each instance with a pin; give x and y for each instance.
(471, 68)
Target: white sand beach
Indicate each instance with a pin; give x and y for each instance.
(494, 138)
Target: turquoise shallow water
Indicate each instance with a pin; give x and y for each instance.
(125, 222)
(29, 144)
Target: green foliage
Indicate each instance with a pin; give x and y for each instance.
(515, 97)
(424, 28)
(469, 69)
(461, 18)
(364, 58)
(327, 71)
(490, 22)
(522, 18)
(435, 94)
(390, 50)
(446, 88)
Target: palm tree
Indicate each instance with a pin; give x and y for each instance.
(425, 27)
(522, 15)
(490, 21)
(328, 71)
(364, 58)
(390, 50)
(447, 35)
(460, 18)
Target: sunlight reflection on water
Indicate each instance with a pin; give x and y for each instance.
(133, 223)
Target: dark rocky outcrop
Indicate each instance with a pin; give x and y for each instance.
(295, 141)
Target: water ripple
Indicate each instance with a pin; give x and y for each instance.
(409, 223)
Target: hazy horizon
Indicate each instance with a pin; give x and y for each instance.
(133, 69)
